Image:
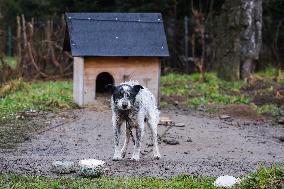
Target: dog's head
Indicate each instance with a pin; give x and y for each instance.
(124, 95)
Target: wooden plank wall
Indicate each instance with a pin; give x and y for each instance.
(143, 69)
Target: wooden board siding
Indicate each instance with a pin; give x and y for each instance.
(78, 80)
(143, 69)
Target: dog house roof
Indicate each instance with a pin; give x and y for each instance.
(115, 34)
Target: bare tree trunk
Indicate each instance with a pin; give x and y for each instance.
(202, 68)
(199, 29)
(18, 41)
(35, 51)
(24, 31)
(251, 43)
(275, 49)
(193, 46)
(239, 38)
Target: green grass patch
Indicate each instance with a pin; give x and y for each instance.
(272, 109)
(220, 92)
(18, 95)
(263, 178)
(47, 183)
(270, 72)
(214, 90)
(281, 82)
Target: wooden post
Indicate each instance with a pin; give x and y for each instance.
(78, 81)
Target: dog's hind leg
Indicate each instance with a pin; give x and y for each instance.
(153, 122)
(116, 124)
(127, 137)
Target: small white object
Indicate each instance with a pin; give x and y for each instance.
(226, 181)
(91, 163)
(225, 116)
(91, 167)
(116, 18)
(116, 37)
(179, 125)
(89, 18)
(69, 17)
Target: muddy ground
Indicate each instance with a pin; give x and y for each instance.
(207, 146)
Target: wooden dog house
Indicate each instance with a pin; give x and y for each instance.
(109, 48)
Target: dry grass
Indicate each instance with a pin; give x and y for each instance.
(13, 86)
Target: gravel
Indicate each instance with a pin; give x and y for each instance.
(216, 148)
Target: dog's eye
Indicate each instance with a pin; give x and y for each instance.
(120, 94)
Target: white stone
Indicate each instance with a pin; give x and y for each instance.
(91, 167)
(226, 181)
(225, 116)
(63, 167)
(92, 163)
(180, 124)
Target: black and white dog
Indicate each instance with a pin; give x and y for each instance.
(133, 105)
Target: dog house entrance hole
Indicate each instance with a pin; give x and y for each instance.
(102, 80)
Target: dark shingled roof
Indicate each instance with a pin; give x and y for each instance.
(116, 34)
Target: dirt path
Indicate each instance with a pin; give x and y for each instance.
(207, 146)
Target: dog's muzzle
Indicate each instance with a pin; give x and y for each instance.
(124, 105)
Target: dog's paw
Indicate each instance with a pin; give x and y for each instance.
(135, 158)
(116, 158)
(157, 156)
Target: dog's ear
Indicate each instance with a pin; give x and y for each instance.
(110, 87)
(136, 89)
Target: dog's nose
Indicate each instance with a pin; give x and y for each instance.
(124, 105)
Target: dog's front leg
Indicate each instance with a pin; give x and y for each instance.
(153, 122)
(139, 136)
(116, 124)
(127, 137)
